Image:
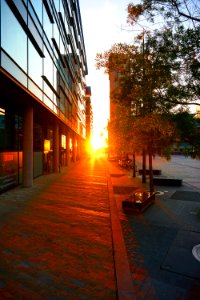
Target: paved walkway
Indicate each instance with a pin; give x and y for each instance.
(159, 242)
(56, 238)
(67, 237)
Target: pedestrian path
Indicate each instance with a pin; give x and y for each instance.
(160, 241)
(68, 237)
(57, 242)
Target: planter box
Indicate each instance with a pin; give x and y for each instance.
(138, 202)
(167, 181)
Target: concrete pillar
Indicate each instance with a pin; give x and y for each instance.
(56, 149)
(78, 148)
(28, 147)
(74, 148)
(67, 146)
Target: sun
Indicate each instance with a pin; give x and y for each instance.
(97, 143)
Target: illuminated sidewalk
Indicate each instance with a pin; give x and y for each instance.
(68, 237)
(56, 238)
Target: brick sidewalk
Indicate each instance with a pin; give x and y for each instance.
(56, 238)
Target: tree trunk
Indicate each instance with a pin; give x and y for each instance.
(134, 168)
(144, 166)
(151, 185)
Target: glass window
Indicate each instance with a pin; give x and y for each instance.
(48, 66)
(56, 83)
(47, 25)
(56, 34)
(62, 47)
(37, 4)
(56, 3)
(37, 141)
(35, 89)
(22, 9)
(62, 103)
(34, 65)
(62, 9)
(37, 19)
(48, 102)
(13, 37)
(13, 69)
(48, 91)
(35, 33)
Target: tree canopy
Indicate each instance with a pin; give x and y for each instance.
(188, 132)
(171, 10)
(155, 75)
(158, 72)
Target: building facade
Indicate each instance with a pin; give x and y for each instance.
(89, 118)
(42, 88)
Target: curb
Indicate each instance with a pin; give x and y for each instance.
(124, 281)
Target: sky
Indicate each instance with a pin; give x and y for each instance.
(104, 24)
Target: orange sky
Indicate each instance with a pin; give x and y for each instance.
(102, 27)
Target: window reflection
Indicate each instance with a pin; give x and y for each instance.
(47, 25)
(13, 69)
(34, 65)
(37, 4)
(48, 102)
(13, 35)
(57, 4)
(35, 33)
(20, 52)
(35, 89)
(48, 72)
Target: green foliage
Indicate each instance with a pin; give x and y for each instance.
(188, 129)
(156, 132)
(158, 72)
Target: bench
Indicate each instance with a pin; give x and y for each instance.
(155, 172)
(167, 181)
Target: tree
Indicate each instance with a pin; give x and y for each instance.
(172, 11)
(188, 131)
(154, 133)
(166, 62)
(157, 73)
(184, 39)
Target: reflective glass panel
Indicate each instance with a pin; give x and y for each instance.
(48, 72)
(13, 69)
(37, 4)
(13, 37)
(34, 65)
(47, 25)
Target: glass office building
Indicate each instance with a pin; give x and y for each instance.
(42, 88)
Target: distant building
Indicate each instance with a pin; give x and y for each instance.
(197, 115)
(89, 116)
(42, 84)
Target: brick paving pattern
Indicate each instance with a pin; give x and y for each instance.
(60, 238)
(58, 245)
